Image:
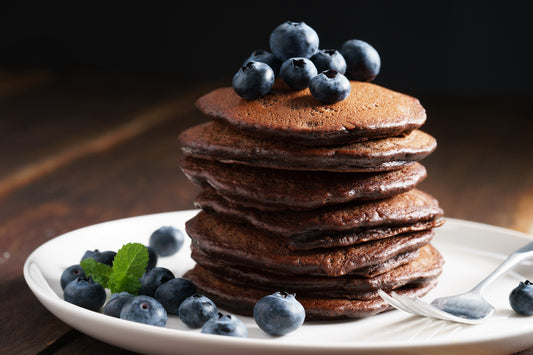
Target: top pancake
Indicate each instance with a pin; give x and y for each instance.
(370, 111)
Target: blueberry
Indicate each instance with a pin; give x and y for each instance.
(521, 298)
(260, 55)
(297, 72)
(362, 60)
(154, 278)
(197, 309)
(225, 324)
(326, 59)
(330, 86)
(293, 39)
(279, 313)
(152, 258)
(70, 274)
(85, 292)
(116, 302)
(104, 257)
(173, 292)
(144, 309)
(253, 80)
(166, 240)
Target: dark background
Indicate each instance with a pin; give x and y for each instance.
(452, 48)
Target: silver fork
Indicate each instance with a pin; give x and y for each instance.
(469, 307)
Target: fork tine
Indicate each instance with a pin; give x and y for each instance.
(420, 308)
(395, 303)
(408, 303)
(425, 309)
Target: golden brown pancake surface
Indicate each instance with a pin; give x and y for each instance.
(369, 112)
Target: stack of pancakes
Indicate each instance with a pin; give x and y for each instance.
(312, 199)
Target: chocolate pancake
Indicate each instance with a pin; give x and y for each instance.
(408, 208)
(424, 268)
(273, 189)
(245, 246)
(369, 271)
(351, 237)
(241, 300)
(369, 112)
(217, 141)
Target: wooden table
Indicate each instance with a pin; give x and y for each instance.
(82, 148)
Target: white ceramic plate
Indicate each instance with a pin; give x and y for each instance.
(471, 251)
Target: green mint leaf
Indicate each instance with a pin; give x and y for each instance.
(98, 271)
(129, 266)
(130, 284)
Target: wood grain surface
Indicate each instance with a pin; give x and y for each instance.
(83, 148)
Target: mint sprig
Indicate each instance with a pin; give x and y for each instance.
(128, 267)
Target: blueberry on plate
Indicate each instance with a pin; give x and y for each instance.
(154, 278)
(521, 298)
(146, 310)
(326, 59)
(70, 273)
(104, 257)
(225, 324)
(166, 240)
(85, 292)
(279, 313)
(116, 302)
(171, 293)
(362, 60)
(197, 309)
(330, 86)
(253, 80)
(293, 39)
(260, 55)
(297, 72)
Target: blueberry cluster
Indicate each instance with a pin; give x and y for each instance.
(296, 58)
(149, 307)
(161, 294)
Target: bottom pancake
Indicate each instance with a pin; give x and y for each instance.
(423, 269)
(241, 300)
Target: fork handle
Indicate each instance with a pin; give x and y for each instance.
(517, 256)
